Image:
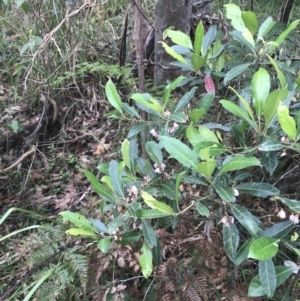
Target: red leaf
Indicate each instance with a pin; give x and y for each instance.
(209, 84)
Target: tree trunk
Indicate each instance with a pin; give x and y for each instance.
(168, 13)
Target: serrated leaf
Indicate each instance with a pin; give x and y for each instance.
(179, 151)
(81, 232)
(271, 105)
(153, 213)
(262, 190)
(287, 122)
(242, 253)
(105, 244)
(199, 34)
(145, 260)
(244, 38)
(173, 53)
(279, 230)
(239, 162)
(154, 151)
(179, 117)
(78, 220)
(280, 75)
(294, 205)
(265, 27)
(125, 149)
(137, 129)
(231, 239)
(269, 161)
(208, 39)
(207, 168)
(267, 276)
(263, 248)
(173, 85)
(209, 84)
(131, 110)
(234, 13)
(225, 193)
(250, 21)
(115, 177)
(234, 72)
(179, 38)
(238, 111)
(246, 219)
(270, 146)
(202, 210)
(148, 233)
(113, 96)
(186, 98)
(100, 227)
(154, 204)
(129, 238)
(197, 61)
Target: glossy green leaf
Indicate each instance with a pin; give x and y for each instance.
(261, 83)
(148, 101)
(199, 34)
(263, 248)
(250, 21)
(265, 27)
(99, 226)
(246, 219)
(206, 101)
(235, 72)
(78, 220)
(148, 233)
(125, 149)
(145, 261)
(174, 54)
(269, 161)
(80, 232)
(202, 210)
(239, 162)
(256, 289)
(294, 205)
(207, 134)
(244, 103)
(231, 239)
(129, 238)
(197, 61)
(207, 168)
(270, 146)
(280, 75)
(196, 115)
(179, 38)
(271, 105)
(173, 85)
(208, 39)
(287, 122)
(193, 135)
(179, 151)
(225, 193)
(179, 117)
(154, 204)
(279, 230)
(104, 192)
(284, 34)
(186, 98)
(153, 213)
(238, 111)
(262, 190)
(113, 96)
(115, 177)
(105, 244)
(131, 110)
(154, 151)
(267, 276)
(245, 39)
(242, 253)
(234, 13)
(177, 191)
(137, 129)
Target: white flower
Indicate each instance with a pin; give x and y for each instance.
(167, 113)
(283, 154)
(282, 139)
(224, 221)
(175, 126)
(157, 170)
(281, 214)
(154, 133)
(235, 192)
(294, 218)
